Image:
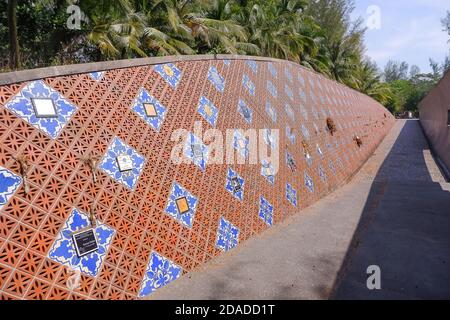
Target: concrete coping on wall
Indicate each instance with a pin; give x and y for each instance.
(64, 70)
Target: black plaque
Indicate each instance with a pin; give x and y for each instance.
(85, 242)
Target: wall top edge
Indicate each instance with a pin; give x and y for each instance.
(64, 70)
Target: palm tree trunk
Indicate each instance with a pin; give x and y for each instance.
(14, 54)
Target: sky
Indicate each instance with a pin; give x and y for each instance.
(407, 30)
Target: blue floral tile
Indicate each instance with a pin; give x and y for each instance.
(305, 132)
(302, 95)
(290, 134)
(196, 151)
(133, 163)
(290, 162)
(169, 72)
(63, 249)
(288, 92)
(271, 112)
(9, 183)
(265, 211)
(301, 80)
(319, 151)
(240, 143)
(289, 111)
(270, 138)
(291, 194)
(268, 171)
(248, 85)
(226, 62)
(227, 235)
(235, 184)
(216, 79)
(98, 75)
(288, 74)
(245, 111)
(308, 158)
(322, 174)
(208, 110)
(149, 109)
(271, 88)
(303, 111)
(181, 205)
(160, 271)
(253, 65)
(58, 109)
(309, 183)
(272, 69)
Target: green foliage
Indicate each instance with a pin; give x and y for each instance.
(317, 34)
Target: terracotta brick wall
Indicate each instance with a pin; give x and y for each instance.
(144, 241)
(434, 113)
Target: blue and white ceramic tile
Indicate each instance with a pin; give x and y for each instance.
(302, 95)
(290, 134)
(196, 151)
(271, 88)
(208, 110)
(9, 183)
(289, 92)
(301, 80)
(160, 271)
(138, 107)
(177, 192)
(288, 74)
(308, 159)
(169, 72)
(265, 211)
(322, 174)
(232, 178)
(290, 162)
(270, 138)
(272, 69)
(303, 111)
(248, 85)
(216, 79)
(226, 62)
(253, 65)
(305, 132)
(268, 171)
(98, 75)
(291, 194)
(271, 111)
(240, 143)
(319, 151)
(309, 184)
(289, 111)
(21, 104)
(245, 111)
(63, 249)
(227, 235)
(110, 166)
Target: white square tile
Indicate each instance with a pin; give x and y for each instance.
(44, 108)
(124, 162)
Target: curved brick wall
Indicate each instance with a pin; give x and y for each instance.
(144, 242)
(434, 112)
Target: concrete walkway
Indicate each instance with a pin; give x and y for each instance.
(395, 213)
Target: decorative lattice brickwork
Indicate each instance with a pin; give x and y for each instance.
(161, 220)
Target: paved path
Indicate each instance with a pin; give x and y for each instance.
(395, 213)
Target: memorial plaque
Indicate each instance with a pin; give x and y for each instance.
(182, 205)
(197, 150)
(150, 110)
(44, 108)
(236, 185)
(85, 242)
(124, 162)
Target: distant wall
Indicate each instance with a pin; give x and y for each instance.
(433, 110)
(160, 220)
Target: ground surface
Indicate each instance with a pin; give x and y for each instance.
(395, 213)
